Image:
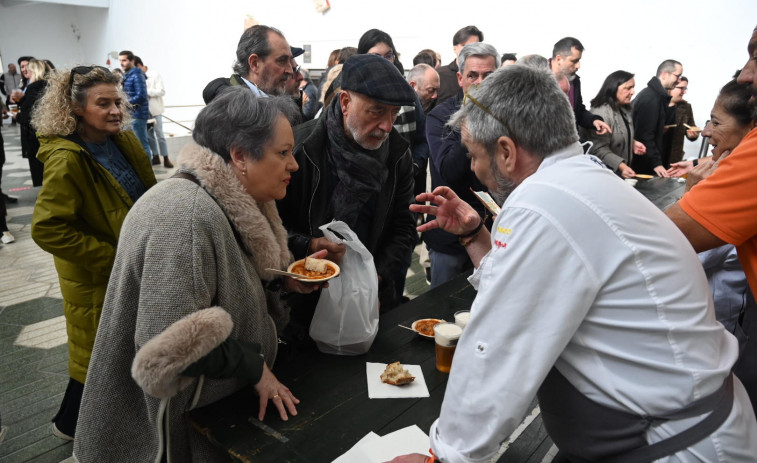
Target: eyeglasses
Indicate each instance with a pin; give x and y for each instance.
(84, 70)
(388, 56)
(467, 96)
(682, 89)
(678, 76)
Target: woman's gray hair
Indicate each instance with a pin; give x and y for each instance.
(478, 49)
(237, 118)
(523, 103)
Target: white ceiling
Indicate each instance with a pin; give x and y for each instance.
(91, 3)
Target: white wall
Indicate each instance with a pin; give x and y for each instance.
(191, 42)
(63, 34)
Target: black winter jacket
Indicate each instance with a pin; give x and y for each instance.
(584, 117)
(306, 204)
(649, 114)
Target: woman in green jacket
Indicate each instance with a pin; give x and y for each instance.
(94, 172)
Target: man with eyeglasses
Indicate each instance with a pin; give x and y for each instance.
(450, 165)
(264, 64)
(292, 87)
(587, 297)
(681, 116)
(650, 109)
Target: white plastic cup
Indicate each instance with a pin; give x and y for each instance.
(462, 317)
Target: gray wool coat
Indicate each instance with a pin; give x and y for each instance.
(177, 257)
(616, 147)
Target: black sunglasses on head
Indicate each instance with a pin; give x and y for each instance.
(84, 70)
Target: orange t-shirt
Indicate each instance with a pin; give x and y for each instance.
(726, 203)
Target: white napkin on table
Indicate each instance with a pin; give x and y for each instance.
(375, 449)
(380, 390)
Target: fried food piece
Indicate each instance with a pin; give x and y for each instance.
(397, 375)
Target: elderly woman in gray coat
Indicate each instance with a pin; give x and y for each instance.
(613, 104)
(191, 314)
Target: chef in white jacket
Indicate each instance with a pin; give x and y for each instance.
(587, 295)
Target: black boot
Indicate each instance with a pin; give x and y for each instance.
(155, 160)
(64, 423)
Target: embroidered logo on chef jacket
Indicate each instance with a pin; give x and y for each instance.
(498, 241)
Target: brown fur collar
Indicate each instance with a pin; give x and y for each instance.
(158, 365)
(259, 225)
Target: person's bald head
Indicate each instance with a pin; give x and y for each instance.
(425, 81)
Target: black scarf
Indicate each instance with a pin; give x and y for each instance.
(361, 173)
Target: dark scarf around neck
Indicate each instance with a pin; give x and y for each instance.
(361, 172)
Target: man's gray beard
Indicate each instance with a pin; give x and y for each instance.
(570, 76)
(504, 186)
(276, 91)
(354, 135)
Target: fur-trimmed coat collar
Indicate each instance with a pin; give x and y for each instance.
(258, 225)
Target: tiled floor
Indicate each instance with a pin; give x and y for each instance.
(33, 354)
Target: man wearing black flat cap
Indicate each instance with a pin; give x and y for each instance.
(354, 167)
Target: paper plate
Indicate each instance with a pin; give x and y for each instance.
(301, 265)
(414, 326)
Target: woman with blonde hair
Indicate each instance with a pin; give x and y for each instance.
(26, 101)
(94, 173)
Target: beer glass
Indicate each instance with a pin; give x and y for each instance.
(445, 337)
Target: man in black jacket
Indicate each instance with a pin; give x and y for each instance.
(566, 61)
(649, 115)
(448, 74)
(354, 167)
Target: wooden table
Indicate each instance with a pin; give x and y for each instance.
(663, 192)
(336, 412)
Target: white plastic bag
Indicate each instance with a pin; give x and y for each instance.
(346, 318)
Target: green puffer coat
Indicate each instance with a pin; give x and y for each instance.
(77, 219)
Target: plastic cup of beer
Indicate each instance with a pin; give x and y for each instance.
(445, 337)
(13, 108)
(462, 317)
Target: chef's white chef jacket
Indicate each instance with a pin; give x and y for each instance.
(589, 276)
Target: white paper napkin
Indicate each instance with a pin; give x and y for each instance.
(380, 390)
(356, 453)
(375, 449)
